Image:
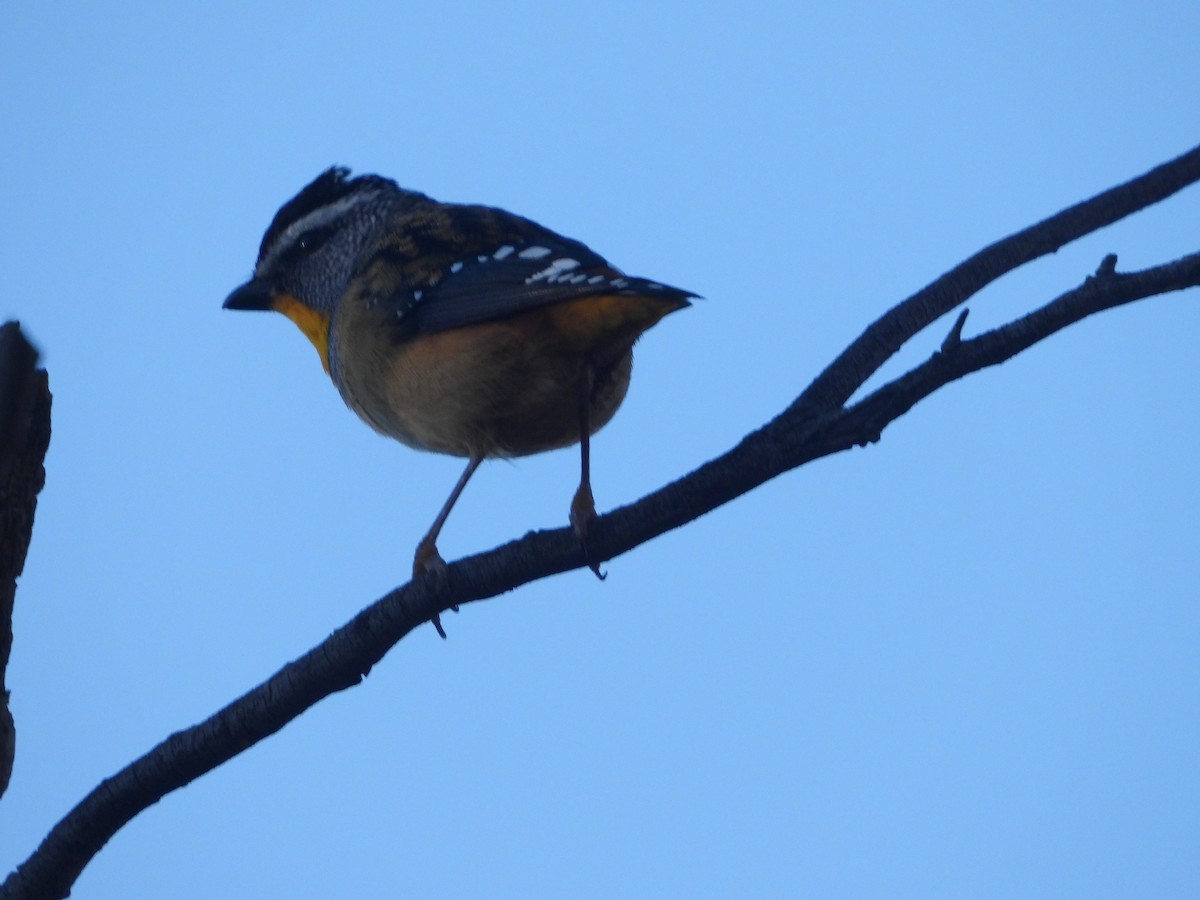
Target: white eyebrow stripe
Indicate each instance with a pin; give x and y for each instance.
(322, 215)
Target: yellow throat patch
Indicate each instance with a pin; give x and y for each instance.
(315, 325)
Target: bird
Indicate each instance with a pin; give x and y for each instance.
(456, 328)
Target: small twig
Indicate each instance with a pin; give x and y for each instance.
(842, 378)
(954, 338)
(1095, 295)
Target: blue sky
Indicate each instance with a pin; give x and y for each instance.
(961, 662)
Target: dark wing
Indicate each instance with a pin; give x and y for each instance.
(471, 264)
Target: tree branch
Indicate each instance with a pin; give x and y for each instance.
(815, 425)
(893, 329)
(24, 437)
(1107, 289)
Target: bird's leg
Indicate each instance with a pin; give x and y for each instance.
(427, 558)
(583, 506)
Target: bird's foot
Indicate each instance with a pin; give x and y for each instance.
(583, 513)
(429, 562)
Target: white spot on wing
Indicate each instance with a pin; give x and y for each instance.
(533, 253)
(457, 267)
(504, 252)
(595, 279)
(555, 271)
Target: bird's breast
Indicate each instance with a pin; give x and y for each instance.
(510, 387)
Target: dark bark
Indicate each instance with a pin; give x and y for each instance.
(24, 437)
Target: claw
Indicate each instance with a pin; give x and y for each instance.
(428, 559)
(583, 513)
(437, 623)
(429, 562)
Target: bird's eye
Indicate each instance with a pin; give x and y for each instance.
(310, 242)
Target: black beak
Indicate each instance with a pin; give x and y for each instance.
(254, 294)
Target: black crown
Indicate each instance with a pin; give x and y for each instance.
(330, 186)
